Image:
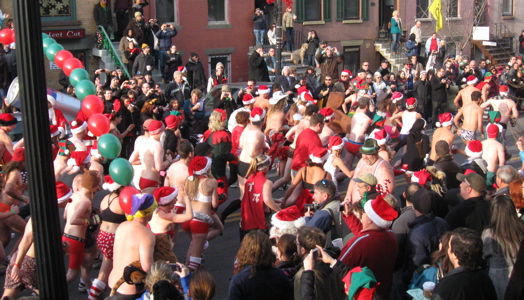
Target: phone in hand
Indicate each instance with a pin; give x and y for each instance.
(175, 267)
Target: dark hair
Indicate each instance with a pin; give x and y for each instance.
(441, 148)
(316, 118)
(202, 285)
(326, 186)
(309, 237)
(411, 189)
(507, 230)
(287, 247)
(467, 245)
(255, 250)
(475, 96)
(311, 109)
(184, 149)
(276, 87)
(440, 259)
(415, 133)
(164, 289)
(412, 37)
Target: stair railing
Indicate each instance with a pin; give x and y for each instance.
(502, 32)
(108, 45)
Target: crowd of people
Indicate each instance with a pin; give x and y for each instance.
(455, 232)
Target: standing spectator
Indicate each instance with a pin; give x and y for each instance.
(173, 61)
(178, 89)
(272, 34)
(271, 62)
(124, 45)
(165, 35)
(422, 92)
(218, 78)
(439, 59)
(196, 76)
(195, 112)
(438, 94)
(287, 22)
(122, 10)
(313, 43)
(139, 28)
(329, 59)
(4, 77)
(259, 23)
(103, 17)
(396, 32)
(144, 62)
(412, 46)
(138, 6)
(417, 31)
(257, 65)
(131, 52)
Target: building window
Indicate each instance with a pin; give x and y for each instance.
(216, 10)
(58, 10)
(452, 9)
(352, 59)
(351, 9)
(166, 11)
(507, 7)
(422, 9)
(224, 59)
(313, 10)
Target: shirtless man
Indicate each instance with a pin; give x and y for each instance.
(151, 156)
(21, 272)
(66, 147)
(359, 124)
(7, 124)
(506, 107)
(472, 114)
(134, 241)
(77, 215)
(276, 118)
(443, 133)
(465, 93)
(352, 100)
(371, 163)
(329, 115)
(262, 100)
(493, 153)
(79, 131)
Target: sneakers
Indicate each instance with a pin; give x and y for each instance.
(82, 287)
(234, 185)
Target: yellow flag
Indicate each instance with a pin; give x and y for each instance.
(436, 11)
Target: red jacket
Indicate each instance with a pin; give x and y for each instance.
(307, 141)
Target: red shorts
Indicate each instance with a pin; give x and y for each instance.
(105, 242)
(196, 226)
(4, 207)
(76, 250)
(145, 183)
(179, 209)
(352, 147)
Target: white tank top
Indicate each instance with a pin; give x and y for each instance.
(328, 167)
(408, 119)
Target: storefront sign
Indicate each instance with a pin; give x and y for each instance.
(66, 34)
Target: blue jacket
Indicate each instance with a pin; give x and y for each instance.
(164, 38)
(413, 49)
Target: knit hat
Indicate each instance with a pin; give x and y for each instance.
(63, 192)
(288, 219)
(19, 155)
(165, 195)
(380, 212)
(494, 116)
(381, 136)
(143, 206)
(367, 178)
(155, 127)
(171, 121)
(51, 100)
(422, 201)
(263, 89)
(492, 130)
(66, 147)
(328, 113)
(422, 177)
(248, 99)
(474, 149)
(77, 159)
(7, 119)
(319, 155)
(257, 114)
(144, 46)
(411, 103)
(369, 147)
(110, 184)
(90, 180)
(54, 130)
(471, 79)
(503, 90)
(444, 120)
(476, 181)
(78, 126)
(397, 96)
(347, 72)
(277, 96)
(199, 165)
(335, 143)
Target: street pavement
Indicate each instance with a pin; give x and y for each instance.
(220, 256)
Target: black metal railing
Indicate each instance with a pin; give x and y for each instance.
(108, 45)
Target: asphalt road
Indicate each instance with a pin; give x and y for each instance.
(219, 257)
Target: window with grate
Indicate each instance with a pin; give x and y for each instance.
(423, 9)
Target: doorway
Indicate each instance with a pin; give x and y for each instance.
(385, 12)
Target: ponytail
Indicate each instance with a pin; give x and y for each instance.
(257, 163)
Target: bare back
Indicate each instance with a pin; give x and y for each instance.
(441, 134)
(465, 95)
(506, 107)
(262, 103)
(251, 143)
(147, 152)
(303, 124)
(359, 125)
(276, 121)
(472, 117)
(493, 154)
(177, 175)
(5, 143)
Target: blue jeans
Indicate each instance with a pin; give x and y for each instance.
(290, 39)
(395, 42)
(259, 36)
(162, 63)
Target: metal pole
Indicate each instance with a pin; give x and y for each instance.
(44, 209)
(278, 50)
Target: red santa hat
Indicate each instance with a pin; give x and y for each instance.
(263, 89)
(328, 113)
(77, 159)
(335, 142)
(165, 195)
(257, 114)
(422, 177)
(471, 79)
(381, 136)
(7, 119)
(78, 126)
(63, 192)
(110, 184)
(319, 155)
(288, 219)
(492, 130)
(307, 97)
(503, 90)
(397, 96)
(248, 99)
(445, 119)
(51, 100)
(347, 72)
(380, 212)
(474, 149)
(19, 155)
(302, 89)
(182, 69)
(54, 130)
(411, 103)
(155, 127)
(199, 165)
(171, 121)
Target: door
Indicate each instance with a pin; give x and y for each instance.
(385, 12)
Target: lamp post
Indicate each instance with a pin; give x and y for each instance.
(278, 50)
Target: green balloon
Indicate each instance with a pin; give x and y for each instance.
(78, 75)
(85, 88)
(121, 171)
(44, 36)
(109, 146)
(52, 50)
(47, 42)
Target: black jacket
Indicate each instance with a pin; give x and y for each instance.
(465, 284)
(422, 92)
(102, 16)
(472, 213)
(141, 63)
(258, 68)
(196, 76)
(438, 90)
(450, 167)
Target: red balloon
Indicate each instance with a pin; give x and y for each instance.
(92, 105)
(70, 64)
(126, 198)
(98, 124)
(61, 57)
(7, 36)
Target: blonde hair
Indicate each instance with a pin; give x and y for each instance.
(258, 163)
(197, 92)
(157, 272)
(192, 186)
(395, 13)
(279, 106)
(215, 121)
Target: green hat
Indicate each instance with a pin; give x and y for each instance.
(494, 116)
(377, 118)
(369, 147)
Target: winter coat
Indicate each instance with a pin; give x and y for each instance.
(196, 76)
(258, 67)
(102, 16)
(164, 38)
(141, 63)
(329, 65)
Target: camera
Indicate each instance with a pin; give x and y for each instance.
(175, 268)
(312, 207)
(316, 255)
